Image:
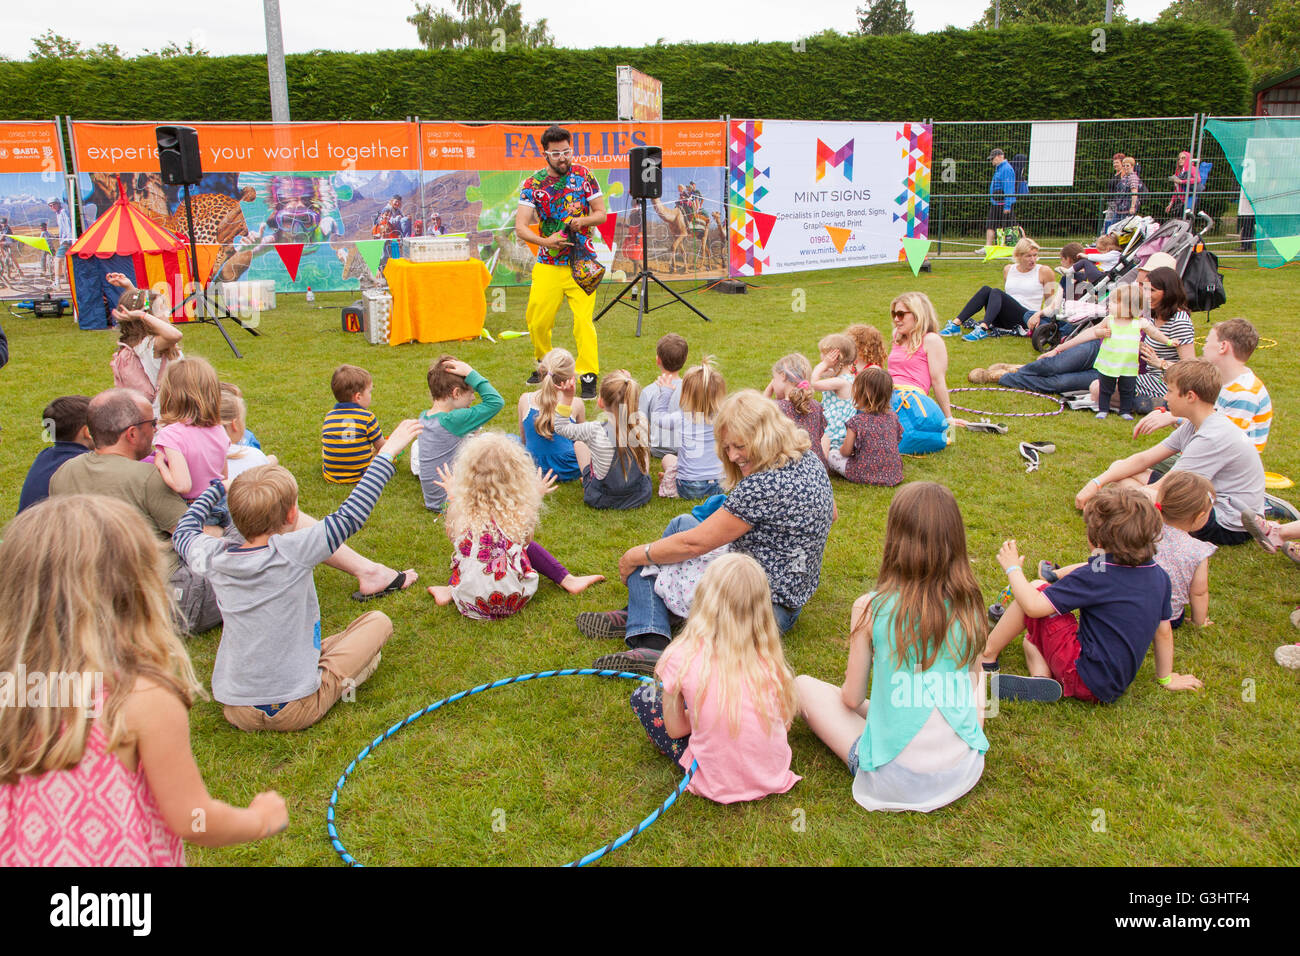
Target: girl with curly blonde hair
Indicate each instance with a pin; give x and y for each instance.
(494, 500)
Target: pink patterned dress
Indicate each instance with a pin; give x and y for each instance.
(94, 814)
(491, 576)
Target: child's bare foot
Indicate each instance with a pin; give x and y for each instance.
(441, 593)
(576, 584)
(379, 578)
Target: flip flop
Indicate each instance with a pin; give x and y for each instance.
(984, 425)
(1042, 690)
(397, 584)
(1042, 447)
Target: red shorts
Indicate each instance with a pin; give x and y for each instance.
(1057, 636)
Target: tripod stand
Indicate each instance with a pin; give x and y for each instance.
(642, 280)
(204, 308)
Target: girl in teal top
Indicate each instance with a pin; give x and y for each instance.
(918, 743)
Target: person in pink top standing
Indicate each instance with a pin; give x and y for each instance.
(190, 447)
(727, 695)
(100, 772)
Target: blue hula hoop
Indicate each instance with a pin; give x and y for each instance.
(591, 857)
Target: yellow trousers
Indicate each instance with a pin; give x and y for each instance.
(551, 286)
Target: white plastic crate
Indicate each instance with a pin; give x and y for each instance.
(376, 310)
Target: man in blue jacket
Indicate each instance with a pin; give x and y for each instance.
(1002, 196)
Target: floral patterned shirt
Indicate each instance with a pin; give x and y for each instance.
(557, 198)
(789, 513)
(491, 576)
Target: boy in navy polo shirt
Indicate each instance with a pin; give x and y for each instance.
(65, 422)
(1122, 597)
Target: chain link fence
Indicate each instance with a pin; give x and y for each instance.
(1068, 168)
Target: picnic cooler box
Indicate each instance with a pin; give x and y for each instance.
(376, 310)
(435, 248)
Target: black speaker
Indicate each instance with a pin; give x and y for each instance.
(178, 155)
(645, 166)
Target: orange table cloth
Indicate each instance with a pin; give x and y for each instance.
(436, 301)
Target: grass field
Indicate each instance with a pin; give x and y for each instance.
(542, 772)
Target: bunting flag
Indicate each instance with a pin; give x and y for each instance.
(372, 251)
(290, 254)
(997, 252)
(765, 222)
(207, 256)
(36, 242)
(916, 251)
(840, 237)
(1286, 246)
(606, 229)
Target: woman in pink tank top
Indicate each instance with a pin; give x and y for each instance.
(919, 357)
(95, 766)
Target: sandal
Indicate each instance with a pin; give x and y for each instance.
(984, 425)
(1042, 447)
(1292, 550)
(397, 584)
(1264, 532)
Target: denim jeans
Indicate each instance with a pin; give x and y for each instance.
(649, 622)
(1067, 372)
(694, 490)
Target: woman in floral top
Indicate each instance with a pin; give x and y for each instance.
(778, 511)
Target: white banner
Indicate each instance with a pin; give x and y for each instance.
(1051, 154)
(825, 195)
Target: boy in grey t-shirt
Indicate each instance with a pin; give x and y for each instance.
(1210, 445)
(450, 420)
(273, 671)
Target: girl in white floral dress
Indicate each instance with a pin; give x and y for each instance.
(494, 497)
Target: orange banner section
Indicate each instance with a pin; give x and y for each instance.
(252, 147)
(30, 148)
(596, 145)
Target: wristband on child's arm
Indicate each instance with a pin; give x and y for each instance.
(1014, 567)
(1164, 681)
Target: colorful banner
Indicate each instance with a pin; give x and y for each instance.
(842, 194)
(640, 96)
(35, 216)
(473, 176)
(322, 186)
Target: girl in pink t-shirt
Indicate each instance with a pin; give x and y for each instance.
(190, 447)
(99, 771)
(727, 695)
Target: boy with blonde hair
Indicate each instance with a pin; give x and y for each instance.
(273, 671)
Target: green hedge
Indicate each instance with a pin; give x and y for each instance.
(1039, 72)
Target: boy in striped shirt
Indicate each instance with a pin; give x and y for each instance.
(1243, 399)
(350, 436)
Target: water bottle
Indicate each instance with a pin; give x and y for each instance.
(311, 296)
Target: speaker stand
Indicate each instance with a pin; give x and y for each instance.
(641, 282)
(199, 297)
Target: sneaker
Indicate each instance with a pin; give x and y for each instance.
(639, 660)
(952, 328)
(602, 624)
(1279, 510)
(1288, 655)
(1264, 532)
(534, 379)
(1102, 415)
(588, 385)
(1042, 690)
(975, 334)
(1126, 416)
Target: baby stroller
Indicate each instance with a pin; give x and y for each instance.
(1175, 237)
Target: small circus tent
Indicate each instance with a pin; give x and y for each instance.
(124, 240)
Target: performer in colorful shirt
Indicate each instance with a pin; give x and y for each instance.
(556, 205)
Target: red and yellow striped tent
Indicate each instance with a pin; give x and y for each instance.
(159, 256)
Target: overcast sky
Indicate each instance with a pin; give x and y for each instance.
(238, 26)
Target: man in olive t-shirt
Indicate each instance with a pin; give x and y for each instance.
(122, 425)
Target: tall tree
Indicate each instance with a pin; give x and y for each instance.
(52, 46)
(1275, 47)
(485, 24)
(882, 17)
(1242, 17)
(1076, 12)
